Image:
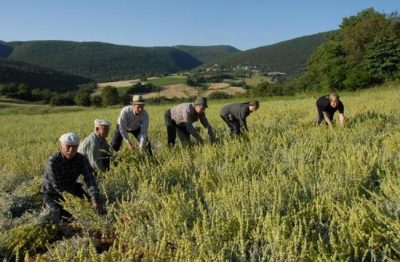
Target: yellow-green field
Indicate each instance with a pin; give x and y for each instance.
(287, 191)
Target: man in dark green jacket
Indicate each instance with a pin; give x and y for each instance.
(235, 115)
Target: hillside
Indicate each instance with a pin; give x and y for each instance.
(38, 77)
(289, 56)
(102, 61)
(5, 50)
(208, 54)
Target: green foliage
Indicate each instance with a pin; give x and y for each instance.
(364, 52)
(96, 100)
(39, 77)
(265, 89)
(65, 99)
(101, 61)
(82, 98)
(109, 96)
(218, 95)
(289, 56)
(140, 88)
(382, 59)
(208, 54)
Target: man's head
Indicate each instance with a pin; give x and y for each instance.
(102, 127)
(253, 106)
(69, 143)
(333, 99)
(137, 104)
(200, 105)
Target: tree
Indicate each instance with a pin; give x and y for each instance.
(109, 96)
(96, 100)
(363, 52)
(82, 98)
(382, 59)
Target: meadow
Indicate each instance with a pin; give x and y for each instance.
(288, 190)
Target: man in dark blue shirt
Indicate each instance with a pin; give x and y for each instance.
(61, 173)
(235, 115)
(327, 106)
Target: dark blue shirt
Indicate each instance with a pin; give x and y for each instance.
(61, 174)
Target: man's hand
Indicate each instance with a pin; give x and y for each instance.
(130, 146)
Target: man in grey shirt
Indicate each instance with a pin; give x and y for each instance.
(95, 146)
(180, 118)
(135, 120)
(235, 115)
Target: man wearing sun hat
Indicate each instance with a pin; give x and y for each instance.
(179, 120)
(95, 146)
(61, 173)
(133, 119)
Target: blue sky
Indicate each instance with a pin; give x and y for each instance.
(243, 24)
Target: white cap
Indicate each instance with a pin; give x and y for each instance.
(69, 139)
(101, 122)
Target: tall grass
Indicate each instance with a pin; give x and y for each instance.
(289, 190)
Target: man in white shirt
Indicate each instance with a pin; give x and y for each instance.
(135, 120)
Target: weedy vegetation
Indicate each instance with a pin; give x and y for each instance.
(288, 190)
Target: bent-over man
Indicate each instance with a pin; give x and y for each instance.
(235, 115)
(95, 146)
(61, 173)
(327, 106)
(179, 120)
(135, 120)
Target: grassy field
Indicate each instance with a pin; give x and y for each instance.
(256, 79)
(286, 191)
(168, 80)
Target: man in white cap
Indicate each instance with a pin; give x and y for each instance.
(179, 120)
(95, 146)
(61, 173)
(135, 120)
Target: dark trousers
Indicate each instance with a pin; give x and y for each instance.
(173, 129)
(52, 201)
(117, 140)
(321, 118)
(232, 123)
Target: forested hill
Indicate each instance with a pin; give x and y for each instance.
(208, 54)
(5, 49)
(32, 76)
(102, 61)
(289, 56)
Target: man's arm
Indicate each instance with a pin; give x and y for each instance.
(90, 181)
(327, 119)
(143, 130)
(204, 122)
(342, 119)
(193, 132)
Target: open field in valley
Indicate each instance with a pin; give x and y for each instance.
(173, 87)
(288, 190)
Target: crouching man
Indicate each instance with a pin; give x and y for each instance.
(96, 148)
(60, 175)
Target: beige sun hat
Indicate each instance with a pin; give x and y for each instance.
(137, 100)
